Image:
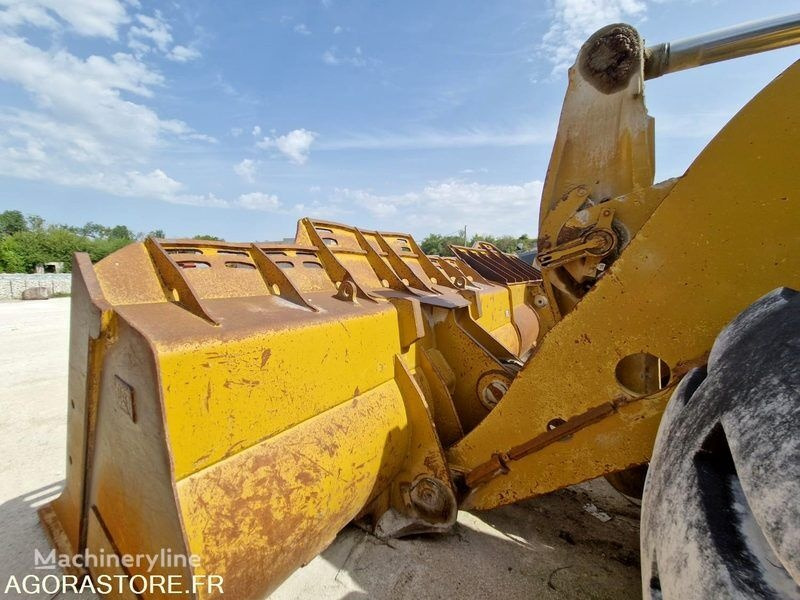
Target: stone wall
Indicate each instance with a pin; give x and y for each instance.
(13, 284)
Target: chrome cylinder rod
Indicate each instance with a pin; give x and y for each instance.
(723, 44)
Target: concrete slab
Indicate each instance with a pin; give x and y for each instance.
(549, 547)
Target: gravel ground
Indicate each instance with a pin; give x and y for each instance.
(549, 547)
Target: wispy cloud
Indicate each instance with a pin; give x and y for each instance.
(444, 206)
(259, 201)
(473, 138)
(89, 124)
(93, 18)
(246, 170)
(573, 21)
(183, 53)
(301, 29)
(153, 33)
(295, 145)
(335, 58)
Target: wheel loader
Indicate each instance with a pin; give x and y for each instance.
(240, 403)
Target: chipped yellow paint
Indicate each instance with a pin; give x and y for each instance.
(256, 516)
(724, 236)
(224, 396)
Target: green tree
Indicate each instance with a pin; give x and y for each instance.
(99, 249)
(11, 261)
(35, 223)
(525, 243)
(11, 222)
(94, 230)
(157, 233)
(60, 244)
(24, 250)
(121, 232)
(439, 245)
(211, 238)
(28, 241)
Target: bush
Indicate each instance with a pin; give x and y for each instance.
(440, 244)
(27, 242)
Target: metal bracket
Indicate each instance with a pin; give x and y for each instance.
(592, 245)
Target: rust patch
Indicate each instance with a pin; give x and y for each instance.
(265, 356)
(611, 57)
(305, 478)
(683, 367)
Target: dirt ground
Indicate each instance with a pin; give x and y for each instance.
(549, 547)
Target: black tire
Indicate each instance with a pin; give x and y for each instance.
(721, 505)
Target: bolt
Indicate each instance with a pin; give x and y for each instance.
(430, 498)
(347, 291)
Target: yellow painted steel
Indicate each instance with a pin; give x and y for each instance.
(293, 493)
(255, 387)
(726, 234)
(244, 402)
(496, 318)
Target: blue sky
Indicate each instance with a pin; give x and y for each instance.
(238, 118)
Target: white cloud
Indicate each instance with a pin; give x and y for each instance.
(32, 160)
(296, 145)
(448, 205)
(155, 184)
(87, 92)
(183, 53)
(154, 33)
(469, 138)
(150, 30)
(302, 29)
(87, 125)
(246, 170)
(19, 14)
(259, 201)
(575, 20)
(337, 30)
(236, 131)
(96, 18)
(333, 57)
(329, 58)
(256, 131)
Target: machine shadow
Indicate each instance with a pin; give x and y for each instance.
(23, 535)
(547, 547)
